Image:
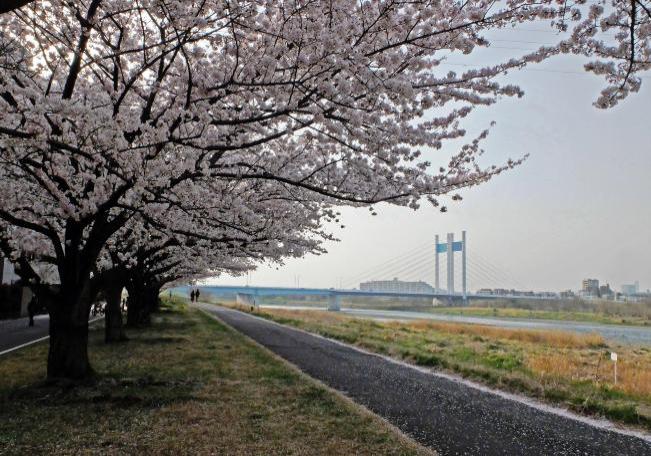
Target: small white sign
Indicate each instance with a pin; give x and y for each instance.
(613, 356)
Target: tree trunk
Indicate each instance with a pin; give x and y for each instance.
(68, 354)
(154, 299)
(10, 5)
(113, 328)
(138, 314)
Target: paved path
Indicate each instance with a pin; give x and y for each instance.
(449, 416)
(16, 333)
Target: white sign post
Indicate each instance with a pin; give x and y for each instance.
(613, 357)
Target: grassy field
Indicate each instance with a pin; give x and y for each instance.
(563, 315)
(188, 385)
(564, 368)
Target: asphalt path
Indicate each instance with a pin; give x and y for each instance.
(16, 333)
(447, 415)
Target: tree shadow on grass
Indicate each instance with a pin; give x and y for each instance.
(136, 392)
(157, 340)
(168, 324)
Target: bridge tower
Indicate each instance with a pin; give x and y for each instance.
(449, 248)
(450, 258)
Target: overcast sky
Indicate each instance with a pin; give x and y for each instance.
(578, 207)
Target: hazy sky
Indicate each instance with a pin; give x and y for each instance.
(578, 207)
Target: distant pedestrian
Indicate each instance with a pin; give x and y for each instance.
(192, 296)
(32, 308)
(196, 295)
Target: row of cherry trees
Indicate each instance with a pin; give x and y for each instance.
(148, 142)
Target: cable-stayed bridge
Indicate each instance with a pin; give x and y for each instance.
(424, 263)
(416, 269)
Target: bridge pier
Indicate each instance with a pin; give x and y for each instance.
(334, 302)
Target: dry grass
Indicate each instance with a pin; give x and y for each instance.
(187, 386)
(633, 370)
(561, 339)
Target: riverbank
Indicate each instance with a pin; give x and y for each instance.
(570, 316)
(187, 385)
(568, 369)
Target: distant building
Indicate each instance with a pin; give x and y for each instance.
(7, 273)
(517, 293)
(590, 287)
(631, 289)
(547, 294)
(397, 286)
(47, 272)
(567, 294)
(606, 292)
(485, 291)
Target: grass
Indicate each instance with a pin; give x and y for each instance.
(641, 319)
(564, 368)
(188, 385)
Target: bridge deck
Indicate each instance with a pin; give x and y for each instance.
(286, 291)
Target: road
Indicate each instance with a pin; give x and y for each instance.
(16, 333)
(449, 416)
(636, 335)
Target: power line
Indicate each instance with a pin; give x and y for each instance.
(419, 251)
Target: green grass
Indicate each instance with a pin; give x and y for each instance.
(562, 315)
(564, 368)
(188, 385)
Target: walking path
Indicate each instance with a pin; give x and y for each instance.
(443, 413)
(15, 334)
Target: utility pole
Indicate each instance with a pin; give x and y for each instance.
(436, 264)
(463, 266)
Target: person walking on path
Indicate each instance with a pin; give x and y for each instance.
(31, 310)
(196, 295)
(192, 296)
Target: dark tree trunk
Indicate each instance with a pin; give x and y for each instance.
(68, 354)
(10, 5)
(113, 327)
(138, 313)
(153, 294)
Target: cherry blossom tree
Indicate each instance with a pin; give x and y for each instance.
(616, 32)
(194, 239)
(617, 35)
(133, 109)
